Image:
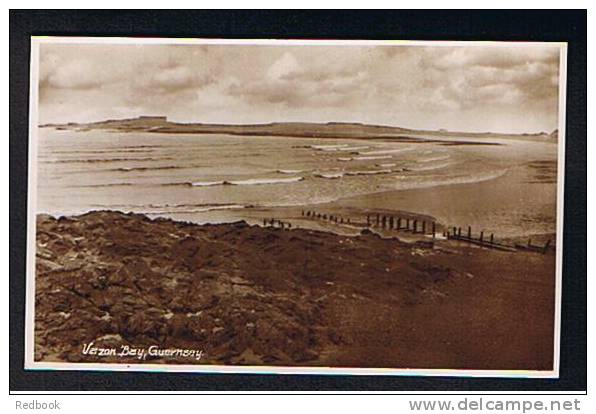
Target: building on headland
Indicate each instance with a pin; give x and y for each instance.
(151, 118)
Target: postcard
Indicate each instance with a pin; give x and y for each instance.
(291, 206)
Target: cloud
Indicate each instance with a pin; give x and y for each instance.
(282, 67)
(176, 78)
(74, 75)
(421, 87)
(495, 57)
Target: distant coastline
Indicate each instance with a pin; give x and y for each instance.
(160, 124)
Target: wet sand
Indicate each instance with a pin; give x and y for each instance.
(522, 202)
(266, 296)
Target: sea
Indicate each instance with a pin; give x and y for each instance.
(509, 187)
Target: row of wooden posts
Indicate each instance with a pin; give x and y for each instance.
(456, 234)
(418, 227)
(330, 217)
(490, 241)
(276, 223)
(381, 221)
(534, 248)
(395, 223)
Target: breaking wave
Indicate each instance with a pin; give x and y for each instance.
(431, 167)
(386, 151)
(374, 157)
(369, 172)
(101, 160)
(438, 158)
(250, 181)
(289, 171)
(199, 208)
(205, 183)
(355, 148)
(442, 181)
(153, 209)
(331, 175)
(129, 169)
(334, 147)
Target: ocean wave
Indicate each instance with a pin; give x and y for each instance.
(369, 172)
(386, 151)
(331, 175)
(289, 171)
(152, 209)
(100, 151)
(387, 165)
(250, 181)
(344, 159)
(105, 185)
(144, 146)
(198, 209)
(129, 169)
(260, 181)
(102, 160)
(355, 148)
(379, 157)
(468, 179)
(205, 183)
(334, 147)
(430, 159)
(431, 167)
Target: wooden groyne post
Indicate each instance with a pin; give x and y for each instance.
(481, 240)
(535, 248)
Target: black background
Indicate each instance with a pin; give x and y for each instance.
(569, 26)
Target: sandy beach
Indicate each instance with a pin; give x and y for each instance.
(249, 295)
(514, 207)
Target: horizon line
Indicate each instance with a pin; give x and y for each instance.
(166, 118)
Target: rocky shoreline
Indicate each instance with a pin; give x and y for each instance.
(248, 295)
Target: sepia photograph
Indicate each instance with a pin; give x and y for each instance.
(295, 206)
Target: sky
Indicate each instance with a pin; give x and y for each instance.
(459, 88)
